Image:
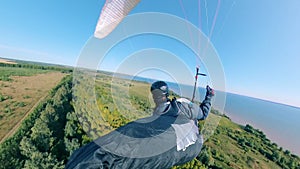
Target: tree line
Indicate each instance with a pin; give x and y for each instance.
(48, 136)
(38, 66)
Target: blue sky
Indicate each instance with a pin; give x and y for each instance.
(258, 42)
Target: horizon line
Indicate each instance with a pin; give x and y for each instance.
(230, 92)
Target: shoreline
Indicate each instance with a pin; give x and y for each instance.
(269, 136)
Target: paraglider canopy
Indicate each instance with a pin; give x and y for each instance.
(112, 14)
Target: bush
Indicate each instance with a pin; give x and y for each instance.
(20, 104)
(5, 78)
(7, 110)
(2, 98)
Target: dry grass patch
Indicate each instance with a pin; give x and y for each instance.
(18, 96)
(7, 61)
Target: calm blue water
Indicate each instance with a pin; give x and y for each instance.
(281, 123)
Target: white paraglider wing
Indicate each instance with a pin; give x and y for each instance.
(112, 14)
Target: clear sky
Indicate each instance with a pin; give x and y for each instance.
(258, 41)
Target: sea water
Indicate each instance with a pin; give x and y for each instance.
(280, 123)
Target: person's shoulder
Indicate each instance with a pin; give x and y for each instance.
(183, 100)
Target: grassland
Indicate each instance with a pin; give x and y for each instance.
(6, 73)
(21, 89)
(80, 110)
(229, 146)
(45, 137)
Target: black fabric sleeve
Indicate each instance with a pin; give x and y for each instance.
(205, 107)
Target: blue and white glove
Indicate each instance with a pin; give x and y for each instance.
(209, 91)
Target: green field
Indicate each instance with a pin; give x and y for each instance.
(53, 130)
(6, 73)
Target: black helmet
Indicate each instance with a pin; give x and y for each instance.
(161, 86)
